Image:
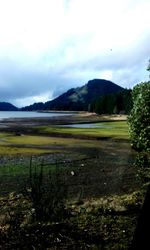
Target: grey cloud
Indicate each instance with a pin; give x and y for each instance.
(128, 67)
(18, 82)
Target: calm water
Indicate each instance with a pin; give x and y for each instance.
(27, 114)
(85, 125)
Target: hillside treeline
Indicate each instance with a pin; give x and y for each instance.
(114, 103)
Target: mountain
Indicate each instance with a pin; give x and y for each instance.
(79, 98)
(5, 106)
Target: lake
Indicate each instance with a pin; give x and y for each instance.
(30, 114)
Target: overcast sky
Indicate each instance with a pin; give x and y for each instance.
(49, 46)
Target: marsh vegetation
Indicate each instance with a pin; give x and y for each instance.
(69, 188)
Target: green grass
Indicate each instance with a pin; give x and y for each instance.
(115, 129)
(26, 144)
(56, 139)
(14, 169)
(14, 150)
(22, 168)
(42, 140)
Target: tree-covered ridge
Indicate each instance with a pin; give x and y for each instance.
(79, 98)
(5, 106)
(115, 103)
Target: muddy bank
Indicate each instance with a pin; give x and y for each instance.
(28, 124)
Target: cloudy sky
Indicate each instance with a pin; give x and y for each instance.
(49, 46)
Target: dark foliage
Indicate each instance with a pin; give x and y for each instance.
(115, 103)
(5, 106)
(139, 119)
(142, 160)
(34, 107)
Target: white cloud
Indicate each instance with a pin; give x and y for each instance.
(33, 99)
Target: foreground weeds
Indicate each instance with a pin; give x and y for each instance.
(84, 200)
(106, 223)
(52, 213)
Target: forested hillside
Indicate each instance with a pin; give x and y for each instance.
(5, 106)
(80, 98)
(114, 103)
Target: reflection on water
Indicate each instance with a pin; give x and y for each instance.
(85, 125)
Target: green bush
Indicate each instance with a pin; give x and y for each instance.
(139, 118)
(142, 160)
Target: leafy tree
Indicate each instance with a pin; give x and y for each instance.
(139, 119)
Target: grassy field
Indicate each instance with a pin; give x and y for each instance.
(70, 138)
(117, 129)
(105, 190)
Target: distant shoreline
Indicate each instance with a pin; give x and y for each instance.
(27, 124)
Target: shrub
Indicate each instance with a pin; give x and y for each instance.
(139, 118)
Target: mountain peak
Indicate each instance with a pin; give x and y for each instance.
(79, 98)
